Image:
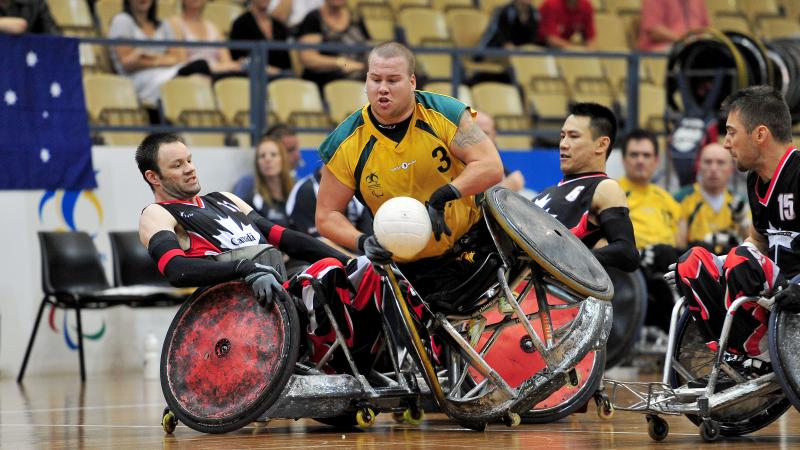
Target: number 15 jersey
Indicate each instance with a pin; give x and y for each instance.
(377, 168)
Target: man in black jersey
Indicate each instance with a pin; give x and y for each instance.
(183, 228)
(586, 201)
(758, 135)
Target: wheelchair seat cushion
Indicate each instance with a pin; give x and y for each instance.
(549, 243)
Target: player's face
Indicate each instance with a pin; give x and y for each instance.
(178, 176)
(270, 162)
(390, 89)
(716, 168)
(576, 147)
(640, 161)
(739, 142)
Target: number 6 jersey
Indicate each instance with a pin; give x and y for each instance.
(377, 168)
(774, 206)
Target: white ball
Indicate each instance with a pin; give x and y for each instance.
(402, 226)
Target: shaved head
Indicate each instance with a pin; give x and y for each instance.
(394, 50)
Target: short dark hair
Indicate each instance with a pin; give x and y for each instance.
(147, 152)
(761, 105)
(638, 134)
(278, 131)
(152, 15)
(602, 121)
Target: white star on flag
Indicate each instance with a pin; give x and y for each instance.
(10, 98)
(44, 155)
(55, 89)
(31, 59)
(45, 114)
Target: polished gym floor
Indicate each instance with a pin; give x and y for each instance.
(116, 412)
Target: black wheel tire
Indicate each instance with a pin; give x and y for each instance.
(345, 421)
(759, 417)
(583, 396)
(709, 430)
(657, 428)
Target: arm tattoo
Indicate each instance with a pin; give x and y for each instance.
(468, 133)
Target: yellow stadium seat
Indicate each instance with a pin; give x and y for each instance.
(444, 5)
(167, 8)
(424, 26)
(111, 100)
(655, 70)
(652, 107)
(72, 16)
(190, 101)
(379, 20)
(466, 26)
(233, 98)
(437, 66)
(489, 6)
(344, 97)
(580, 67)
(105, 10)
(778, 27)
(222, 15)
(723, 8)
(791, 8)
(757, 9)
(527, 67)
(731, 23)
(297, 102)
(444, 87)
(504, 104)
(620, 7)
(399, 5)
(611, 34)
(548, 98)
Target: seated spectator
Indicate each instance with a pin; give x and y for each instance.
(292, 12)
(190, 26)
(147, 67)
(267, 189)
(31, 16)
(658, 226)
(256, 24)
(665, 21)
(512, 25)
(334, 22)
(716, 217)
(567, 24)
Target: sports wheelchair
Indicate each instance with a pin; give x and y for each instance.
(227, 361)
(722, 393)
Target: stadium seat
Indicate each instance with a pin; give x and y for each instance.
(436, 66)
(344, 97)
(399, 5)
(599, 6)
(233, 98)
(723, 8)
(731, 23)
(778, 27)
(424, 26)
(623, 7)
(111, 100)
(548, 99)
(105, 10)
(444, 5)
(189, 101)
(443, 87)
(72, 16)
(297, 102)
(222, 14)
(611, 35)
(652, 107)
(755, 10)
(379, 20)
(489, 6)
(466, 27)
(655, 70)
(167, 8)
(527, 67)
(791, 8)
(504, 104)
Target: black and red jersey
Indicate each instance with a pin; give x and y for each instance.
(774, 208)
(570, 201)
(214, 224)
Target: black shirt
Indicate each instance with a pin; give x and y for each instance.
(245, 28)
(35, 12)
(507, 26)
(570, 201)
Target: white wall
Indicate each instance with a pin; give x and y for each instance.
(121, 195)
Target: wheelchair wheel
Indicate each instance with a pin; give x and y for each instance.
(784, 336)
(226, 359)
(630, 309)
(696, 361)
(569, 399)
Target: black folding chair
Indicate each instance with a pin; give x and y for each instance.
(132, 264)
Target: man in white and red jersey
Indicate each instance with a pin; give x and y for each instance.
(758, 135)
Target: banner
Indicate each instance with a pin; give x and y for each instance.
(44, 131)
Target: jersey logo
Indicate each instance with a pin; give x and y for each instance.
(234, 235)
(229, 205)
(374, 184)
(403, 166)
(574, 193)
(786, 205)
(542, 202)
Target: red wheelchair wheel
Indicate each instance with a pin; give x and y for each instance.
(226, 359)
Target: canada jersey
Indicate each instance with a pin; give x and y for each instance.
(214, 224)
(774, 208)
(570, 201)
(377, 168)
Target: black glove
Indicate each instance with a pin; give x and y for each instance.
(373, 250)
(436, 205)
(655, 259)
(788, 298)
(263, 280)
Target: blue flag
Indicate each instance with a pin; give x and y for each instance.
(44, 131)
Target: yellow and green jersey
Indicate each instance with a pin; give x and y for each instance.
(377, 168)
(654, 213)
(701, 218)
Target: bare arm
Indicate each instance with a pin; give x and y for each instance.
(471, 145)
(332, 201)
(661, 33)
(313, 59)
(154, 218)
(13, 25)
(283, 11)
(758, 239)
(514, 181)
(608, 194)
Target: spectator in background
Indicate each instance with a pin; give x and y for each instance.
(148, 67)
(31, 16)
(512, 180)
(658, 225)
(290, 142)
(513, 25)
(292, 12)
(716, 217)
(190, 26)
(664, 21)
(333, 22)
(267, 189)
(563, 22)
(256, 24)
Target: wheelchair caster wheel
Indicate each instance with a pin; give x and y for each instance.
(168, 421)
(365, 417)
(657, 428)
(512, 419)
(605, 410)
(413, 418)
(710, 430)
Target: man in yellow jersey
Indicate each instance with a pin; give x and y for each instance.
(716, 217)
(417, 144)
(657, 222)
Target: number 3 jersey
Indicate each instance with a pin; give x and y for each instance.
(377, 168)
(774, 207)
(570, 201)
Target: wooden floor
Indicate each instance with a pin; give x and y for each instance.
(125, 412)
